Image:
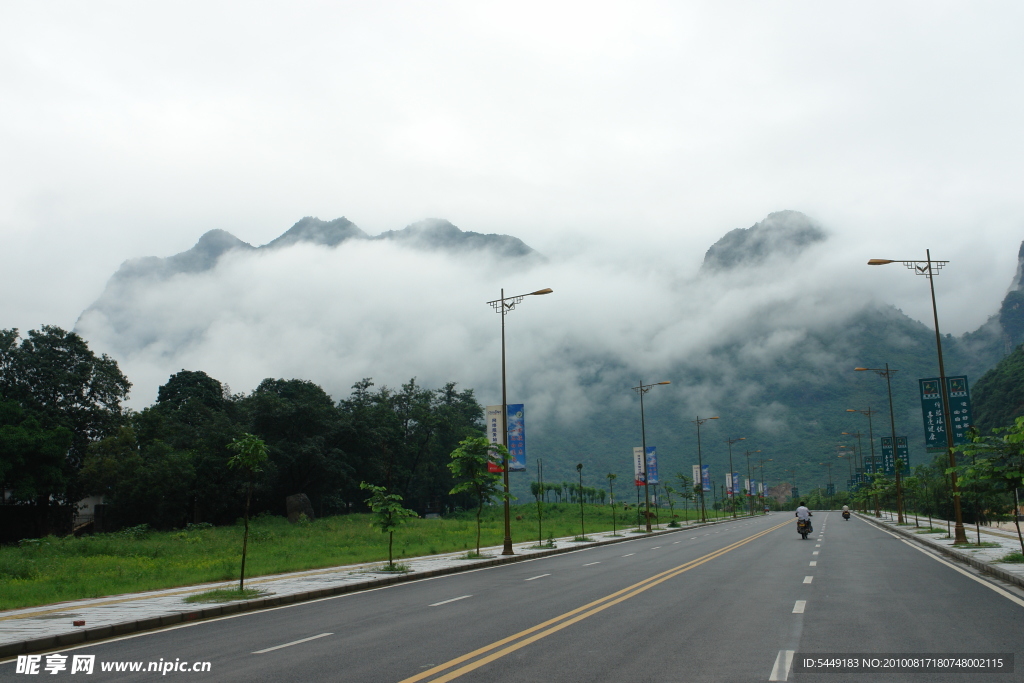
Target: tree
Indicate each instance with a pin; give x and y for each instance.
(250, 454)
(60, 382)
(686, 492)
(671, 504)
(32, 458)
(388, 513)
(998, 460)
(469, 466)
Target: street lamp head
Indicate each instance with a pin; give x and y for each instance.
(860, 369)
(880, 261)
(664, 382)
(546, 290)
(712, 418)
(851, 410)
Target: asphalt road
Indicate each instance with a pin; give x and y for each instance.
(722, 603)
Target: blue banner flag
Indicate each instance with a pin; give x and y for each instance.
(516, 438)
(705, 477)
(652, 465)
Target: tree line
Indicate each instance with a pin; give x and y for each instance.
(65, 434)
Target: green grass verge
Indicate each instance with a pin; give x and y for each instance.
(983, 544)
(227, 595)
(48, 570)
(1012, 557)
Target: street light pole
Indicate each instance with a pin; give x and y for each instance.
(929, 270)
(641, 390)
(764, 486)
(729, 486)
(871, 440)
(887, 374)
(503, 306)
(700, 466)
(749, 482)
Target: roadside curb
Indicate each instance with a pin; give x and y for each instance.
(953, 553)
(54, 642)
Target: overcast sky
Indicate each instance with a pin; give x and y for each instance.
(638, 132)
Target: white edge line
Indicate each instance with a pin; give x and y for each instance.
(997, 589)
(536, 577)
(783, 663)
(294, 642)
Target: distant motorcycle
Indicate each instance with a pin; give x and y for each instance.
(846, 515)
(803, 527)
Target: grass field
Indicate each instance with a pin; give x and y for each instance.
(52, 569)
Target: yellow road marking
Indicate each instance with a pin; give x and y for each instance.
(558, 623)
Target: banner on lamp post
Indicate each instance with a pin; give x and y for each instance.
(652, 465)
(735, 482)
(932, 410)
(705, 477)
(889, 458)
(516, 421)
(696, 476)
(638, 465)
(495, 428)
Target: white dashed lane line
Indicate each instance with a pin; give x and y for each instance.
(541, 576)
(799, 607)
(627, 555)
(296, 642)
(461, 597)
(808, 579)
(590, 563)
(814, 563)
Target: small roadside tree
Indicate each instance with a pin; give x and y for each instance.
(998, 460)
(388, 514)
(250, 454)
(469, 466)
(669, 491)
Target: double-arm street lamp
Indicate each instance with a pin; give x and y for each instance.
(729, 484)
(641, 390)
(929, 268)
(700, 466)
(887, 373)
(859, 461)
(503, 306)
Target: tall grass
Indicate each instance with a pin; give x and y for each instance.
(54, 569)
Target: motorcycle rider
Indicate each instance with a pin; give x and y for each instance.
(803, 514)
(846, 512)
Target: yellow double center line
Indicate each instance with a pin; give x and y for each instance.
(480, 657)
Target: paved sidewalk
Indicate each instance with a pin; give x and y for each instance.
(35, 629)
(984, 559)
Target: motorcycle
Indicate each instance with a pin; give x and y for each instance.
(846, 515)
(803, 527)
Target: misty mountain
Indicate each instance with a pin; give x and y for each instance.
(782, 234)
(757, 337)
